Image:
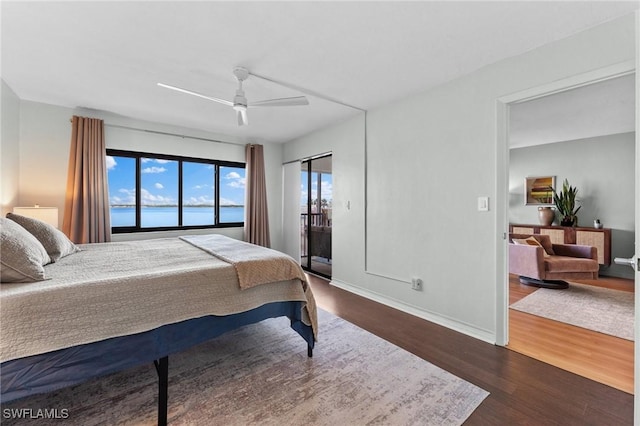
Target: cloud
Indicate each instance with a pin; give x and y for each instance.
(158, 185)
(154, 169)
(160, 161)
(327, 190)
(110, 162)
(201, 186)
(325, 186)
(128, 197)
(199, 201)
(227, 202)
(240, 183)
(150, 199)
(237, 181)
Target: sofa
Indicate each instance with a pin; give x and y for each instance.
(540, 263)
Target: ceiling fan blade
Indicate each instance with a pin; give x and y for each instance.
(298, 100)
(200, 95)
(242, 117)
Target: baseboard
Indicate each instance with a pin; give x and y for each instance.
(444, 321)
(616, 271)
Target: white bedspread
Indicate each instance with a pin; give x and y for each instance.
(116, 289)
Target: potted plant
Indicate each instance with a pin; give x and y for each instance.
(565, 202)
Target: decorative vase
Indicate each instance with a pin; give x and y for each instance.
(597, 224)
(567, 222)
(546, 215)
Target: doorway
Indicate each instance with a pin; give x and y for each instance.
(316, 206)
(580, 157)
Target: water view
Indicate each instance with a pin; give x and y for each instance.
(200, 185)
(153, 217)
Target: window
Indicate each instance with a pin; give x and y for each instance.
(121, 172)
(152, 192)
(232, 182)
(158, 193)
(199, 194)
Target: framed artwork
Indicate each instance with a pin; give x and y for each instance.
(539, 190)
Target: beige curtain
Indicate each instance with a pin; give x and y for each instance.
(256, 217)
(86, 209)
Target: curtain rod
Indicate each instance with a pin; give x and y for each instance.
(157, 132)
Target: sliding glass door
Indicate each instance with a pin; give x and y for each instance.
(316, 204)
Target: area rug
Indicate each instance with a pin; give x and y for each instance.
(261, 375)
(594, 308)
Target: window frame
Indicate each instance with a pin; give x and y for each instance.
(138, 156)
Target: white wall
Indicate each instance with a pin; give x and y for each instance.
(9, 151)
(45, 134)
(602, 168)
(428, 158)
(344, 141)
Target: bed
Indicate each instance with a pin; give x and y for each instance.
(113, 306)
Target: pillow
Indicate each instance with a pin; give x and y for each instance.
(54, 241)
(531, 241)
(22, 256)
(546, 244)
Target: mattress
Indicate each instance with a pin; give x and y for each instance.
(123, 288)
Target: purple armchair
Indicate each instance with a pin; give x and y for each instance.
(548, 265)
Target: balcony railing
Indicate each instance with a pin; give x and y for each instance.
(316, 220)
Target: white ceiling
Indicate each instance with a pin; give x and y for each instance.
(110, 55)
(599, 109)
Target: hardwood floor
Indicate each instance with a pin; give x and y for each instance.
(600, 357)
(523, 390)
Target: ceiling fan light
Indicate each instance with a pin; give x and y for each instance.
(240, 107)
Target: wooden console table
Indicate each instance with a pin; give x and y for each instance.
(599, 238)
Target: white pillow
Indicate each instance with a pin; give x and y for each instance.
(531, 241)
(22, 256)
(54, 241)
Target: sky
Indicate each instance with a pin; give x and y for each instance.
(159, 182)
(326, 187)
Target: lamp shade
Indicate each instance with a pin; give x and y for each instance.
(46, 214)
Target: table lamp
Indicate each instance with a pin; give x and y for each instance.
(46, 214)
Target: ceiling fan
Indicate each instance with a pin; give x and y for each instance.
(239, 102)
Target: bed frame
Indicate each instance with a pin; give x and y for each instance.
(65, 367)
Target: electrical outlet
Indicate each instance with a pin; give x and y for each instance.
(416, 284)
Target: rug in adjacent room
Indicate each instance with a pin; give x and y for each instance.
(594, 308)
(261, 375)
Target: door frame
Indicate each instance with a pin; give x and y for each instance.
(502, 190)
(308, 267)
